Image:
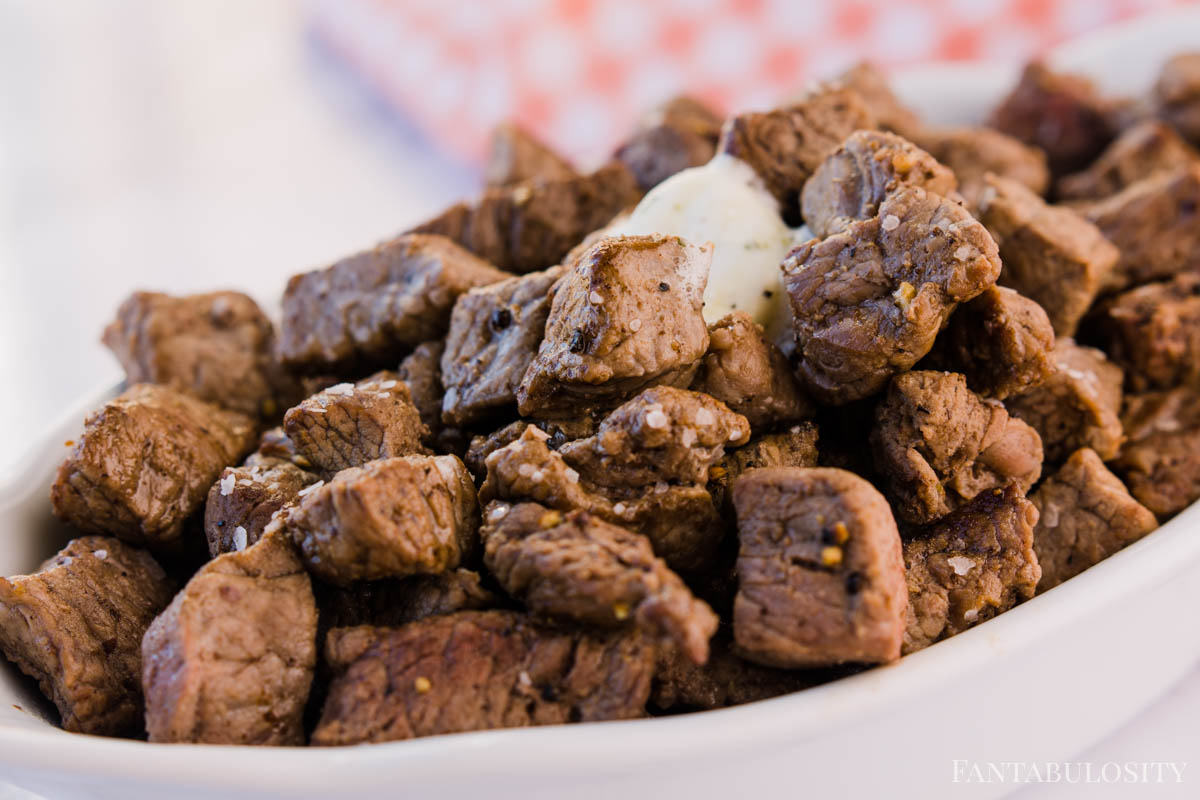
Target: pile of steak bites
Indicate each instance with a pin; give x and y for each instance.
(498, 471)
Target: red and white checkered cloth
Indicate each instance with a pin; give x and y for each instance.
(578, 72)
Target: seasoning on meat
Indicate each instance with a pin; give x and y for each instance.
(243, 500)
(676, 135)
(1147, 148)
(516, 155)
(1160, 459)
(971, 153)
(1153, 332)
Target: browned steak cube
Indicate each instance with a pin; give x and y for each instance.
(1147, 148)
(389, 518)
(231, 659)
(76, 627)
(243, 500)
(1076, 406)
(559, 431)
(938, 445)
(795, 447)
(1153, 222)
(1051, 254)
(1060, 113)
(679, 134)
(1087, 514)
(578, 568)
(348, 425)
(478, 670)
(969, 566)
(747, 372)
(218, 347)
(1178, 94)
(1000, 341)
(421, 372)
(1160, 460)
(974, 152)
(145, 463)
(516, 155)
(494, 334)
(872, 87)
(820, 575)
(868, 302)
(626, 316)
(402, 600)
(375, 306)
(1153, 332)
(786, 145)
(853, 180)
(532, 225)
(274, 445)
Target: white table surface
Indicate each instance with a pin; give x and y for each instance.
(193, 145)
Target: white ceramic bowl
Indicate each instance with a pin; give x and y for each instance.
(1039, 683)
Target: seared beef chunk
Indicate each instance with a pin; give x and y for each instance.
(76, 627)
(398, 601)
(1147, 148)
(852, 181)
(1153, 332)
(421, 372)
(389, 518)
(872, 87)
(627, 316)
(532, 225)
(795, 447)
(372, 307)
(820, 576)
(1160, 460)
(938, 445)
(1060, 113)
(1051, 254)
(231, 659)
(1076, 406)
(974, 152)
(868, 302)
(348, 425)
(1087, 514)
(679, 134)
(516, 155)
(478, 670)
(559, 431)
(145, 462)
(786, 145)
(969, 566)
(1000, 341)
(577, 567)
(218, 347)
(747, 372)
(494, 333)
(663, 434)
(274, 445)
(1154, 224)
(243, 500)
(1178, 94)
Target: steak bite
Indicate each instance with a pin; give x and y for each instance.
(389, 518)
(478, 670)
(1087, 514)
(938, 445)
(218, 347)
(969, 566)
(676, 135)
(1178, 94)
(1051, 254)
(1060, 113)
(872, 87)
(1154, 224)
(579, 568)
(794, 447)
(1160, 460)
(1077, 405)
(231, 659)
(1147, 148)
(533, 224)
(275, 445)
(75, 626)
(971, 153)
(1153, 332)
(1000, 341)
(373, 307)
(399, 601)
(494, 333)
(421, 372)
(786, 145)
(868, 302)
(820, 576)
(516, 155)
(145, 463)
(747, 372)
(243, 500)
(852, 181)
(626, 316)
(348, 425)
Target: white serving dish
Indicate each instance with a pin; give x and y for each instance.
(1039, 683)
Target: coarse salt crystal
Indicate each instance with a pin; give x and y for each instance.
(705, 417)
(245, 482)
(660, 487)
(595, 299)
(619, 509)
(962, 252)
(572, 475)
(688, 437)
(342, 389)
(537, 476)
(890, 222)
(227, 484)
(635, 325)
(734, 435)
(387, 385)
(655, 417)
(239, 538)
(525, 470)
(101, 554)
(498, 513)
(961, 564)
(524, 679)
(971, 615)
(312, 488)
